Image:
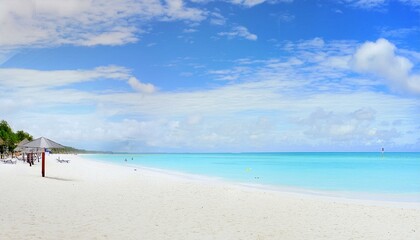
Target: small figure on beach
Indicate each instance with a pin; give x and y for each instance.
(125, 160)
(30, 160)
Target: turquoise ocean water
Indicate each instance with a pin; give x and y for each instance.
(390, 173)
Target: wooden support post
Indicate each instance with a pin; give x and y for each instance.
(43, 164)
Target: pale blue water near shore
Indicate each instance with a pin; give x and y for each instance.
(391, 173)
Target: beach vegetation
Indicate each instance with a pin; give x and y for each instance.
(9, 138)
(22, 135)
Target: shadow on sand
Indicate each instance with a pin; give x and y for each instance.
(61, 179)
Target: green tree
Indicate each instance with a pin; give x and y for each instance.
(8, 137)
(21, 135)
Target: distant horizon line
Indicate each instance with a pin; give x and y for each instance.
(379, 152)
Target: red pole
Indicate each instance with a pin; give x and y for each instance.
(43, 164)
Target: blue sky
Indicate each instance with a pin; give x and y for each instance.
(213, 76)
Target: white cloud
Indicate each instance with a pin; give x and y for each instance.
(114, 37)
(176, 10)
(259, 115)
(141, 87)
(413, 83)
(379, 4)
(286, 17)
(367, 3)
(29, 78)
(190, 30)
(217, 19)
(414, 3)
(400, 32)
(273, 105)
(239, 32)
(351, 127)
(230, 74)
(47, 23)
(306, 45)
(380, 58)
(251, 3)
(36, 80)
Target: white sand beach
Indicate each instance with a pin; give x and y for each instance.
(92, 200)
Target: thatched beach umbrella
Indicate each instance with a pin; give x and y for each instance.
(43, 143)
(20, 146)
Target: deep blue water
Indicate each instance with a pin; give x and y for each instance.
(393, 173)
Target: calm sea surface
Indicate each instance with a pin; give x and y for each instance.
(391, 173)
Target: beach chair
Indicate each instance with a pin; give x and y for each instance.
(62, 160)
(10, 160)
